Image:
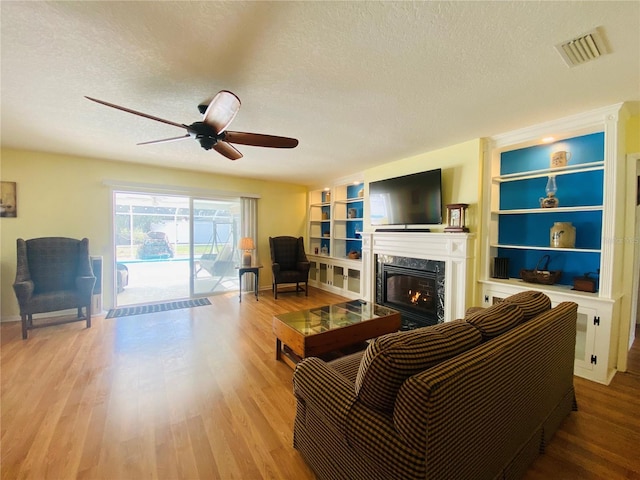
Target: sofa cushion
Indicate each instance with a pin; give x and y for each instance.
(497, 319)
(532, 303)
(390, 359)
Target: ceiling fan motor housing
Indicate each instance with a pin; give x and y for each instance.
(207, 142)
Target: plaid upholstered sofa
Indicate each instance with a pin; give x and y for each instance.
(475, 398)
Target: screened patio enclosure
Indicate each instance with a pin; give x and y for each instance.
(171, 247)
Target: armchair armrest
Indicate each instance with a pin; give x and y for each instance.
(275, 267)
(85, 286)
(324, 390)
(303, 266)
(23, 290)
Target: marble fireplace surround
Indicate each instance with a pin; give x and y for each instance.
(454, 249)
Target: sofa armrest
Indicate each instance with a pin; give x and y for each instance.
(324, 390)
(472, 310)
(24, 291)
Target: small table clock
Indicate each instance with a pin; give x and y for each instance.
(456, 217)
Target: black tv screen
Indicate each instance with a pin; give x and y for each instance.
(414, 199)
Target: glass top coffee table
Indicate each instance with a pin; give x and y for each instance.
(317, 331)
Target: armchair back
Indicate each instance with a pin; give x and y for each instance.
(53, 274)
(289, 263)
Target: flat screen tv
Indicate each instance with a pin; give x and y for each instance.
(414, 199)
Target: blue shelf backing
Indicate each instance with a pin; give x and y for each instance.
(533, 229)
(354, 245)
(584, 149)
(353, 227)
(357, 206)
(572, 264)
(354, 190)
(575, 190)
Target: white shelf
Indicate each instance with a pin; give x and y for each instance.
(349, 200)
(518, 211)
(569, 169)
(530, 247)
(565, 289)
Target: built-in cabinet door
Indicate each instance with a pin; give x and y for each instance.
(338, 276)
(313, 271)
(353, 280)
(585, 338)
(323, 277)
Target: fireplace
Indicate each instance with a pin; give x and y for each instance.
(414, 287)
(427, 251)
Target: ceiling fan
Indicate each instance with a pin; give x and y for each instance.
(212, 131)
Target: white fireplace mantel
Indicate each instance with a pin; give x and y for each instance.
(454, 249)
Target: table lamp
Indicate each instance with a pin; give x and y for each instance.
(246, 244)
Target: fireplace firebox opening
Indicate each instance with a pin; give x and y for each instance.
(414, 287)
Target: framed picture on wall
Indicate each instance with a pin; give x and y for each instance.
(8, 207)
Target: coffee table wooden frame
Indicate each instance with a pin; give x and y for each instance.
(293, 345)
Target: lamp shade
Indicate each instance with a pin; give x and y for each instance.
(246, 243)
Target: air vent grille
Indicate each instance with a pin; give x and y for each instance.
(585, 48)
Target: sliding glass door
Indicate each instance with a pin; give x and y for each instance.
(170, 247)
(214, 252)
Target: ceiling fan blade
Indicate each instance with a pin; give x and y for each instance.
(165, 140)
(260, 140)
(222, 110)
(227, 150)
(128, 110)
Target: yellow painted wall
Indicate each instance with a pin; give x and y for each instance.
(461, 175)
(633, 134)
(462, 167)
(59, 195)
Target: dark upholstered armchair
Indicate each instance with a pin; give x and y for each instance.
(289, 263)
(53, 274)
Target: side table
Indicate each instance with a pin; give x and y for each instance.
(255, 269)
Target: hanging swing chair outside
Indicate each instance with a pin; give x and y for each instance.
(220, 262)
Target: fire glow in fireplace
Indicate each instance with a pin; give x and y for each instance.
(414, 287)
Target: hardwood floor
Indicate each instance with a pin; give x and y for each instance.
(197, 393)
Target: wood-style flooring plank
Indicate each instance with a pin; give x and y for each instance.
(197, 393)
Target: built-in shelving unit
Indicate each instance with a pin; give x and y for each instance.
(519, 228)
(335, 237)
(523, 226)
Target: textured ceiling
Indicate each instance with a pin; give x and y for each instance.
(358, 83)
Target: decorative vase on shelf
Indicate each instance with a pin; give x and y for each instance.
(563, 235)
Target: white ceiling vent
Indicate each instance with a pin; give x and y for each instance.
(585, 48)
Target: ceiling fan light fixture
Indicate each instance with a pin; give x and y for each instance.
(584, 48)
